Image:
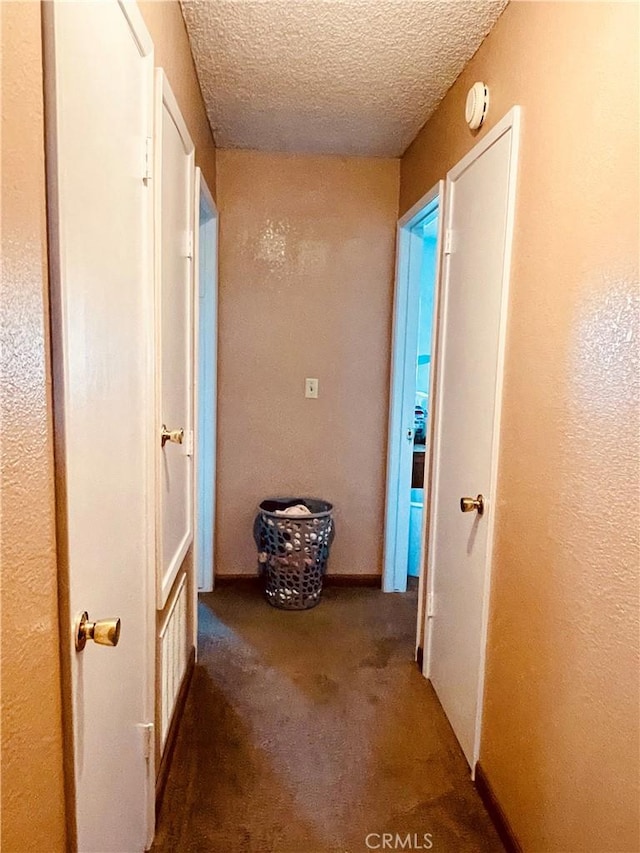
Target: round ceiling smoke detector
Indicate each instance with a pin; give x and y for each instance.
(477, 105)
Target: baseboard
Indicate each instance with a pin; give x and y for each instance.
(497, 815)
(329, 580)
(353, 580)
(172, 735)
(226, 580)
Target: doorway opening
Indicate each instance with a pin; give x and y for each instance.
(427, 230)
(412, 375)
(206, 325)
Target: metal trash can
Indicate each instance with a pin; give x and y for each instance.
(293, 537)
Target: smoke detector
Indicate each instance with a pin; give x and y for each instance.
(477, 105)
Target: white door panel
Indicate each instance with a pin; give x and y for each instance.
(479, 208)
(174, 177)
(99, 112)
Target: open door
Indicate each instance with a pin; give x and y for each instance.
(99, 98)
(479, 209)
(174, 445)
(174, 173)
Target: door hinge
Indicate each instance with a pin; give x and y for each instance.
(429, 605)
(190, 245)
(148, 159)
(188, 443)
(448, 241)
(147, 739)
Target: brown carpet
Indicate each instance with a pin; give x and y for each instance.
(307, 732)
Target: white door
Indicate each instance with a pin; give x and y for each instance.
(174, 179)
(479, 204)
(206, 384)
(99, 79)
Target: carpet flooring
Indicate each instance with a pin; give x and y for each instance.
(314, 732)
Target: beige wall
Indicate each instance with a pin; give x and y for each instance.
(173, 53)
(561, 725)
(33, 815)
(306, 277)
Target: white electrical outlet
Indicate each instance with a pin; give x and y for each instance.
(311, 388)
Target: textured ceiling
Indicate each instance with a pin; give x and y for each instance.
(330, 76)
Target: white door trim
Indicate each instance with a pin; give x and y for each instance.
(401, 408)
(428, 462)
(203, 575)
(132, 13)
(164, 97)
(138, 27)
(510, 122)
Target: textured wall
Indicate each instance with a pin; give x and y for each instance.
(561, 720)
(32, 779)
(306, 277)
(173, 53)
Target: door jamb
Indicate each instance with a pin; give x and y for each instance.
(202, 192)
(428, 462)
(510, 122)
(396, 435)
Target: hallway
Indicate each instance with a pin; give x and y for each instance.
(306, 732)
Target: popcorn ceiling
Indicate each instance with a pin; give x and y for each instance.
(351, 77)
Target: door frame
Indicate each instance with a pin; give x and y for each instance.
(510, 122)
(203, 575)
(56, 253)
(164, 97)
(401, 399)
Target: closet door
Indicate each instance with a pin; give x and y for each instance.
(99, 82)
(174, 189)
(479, 209)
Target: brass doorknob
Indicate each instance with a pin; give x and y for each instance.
(105, 632)
(469, 504)
(174, 435)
